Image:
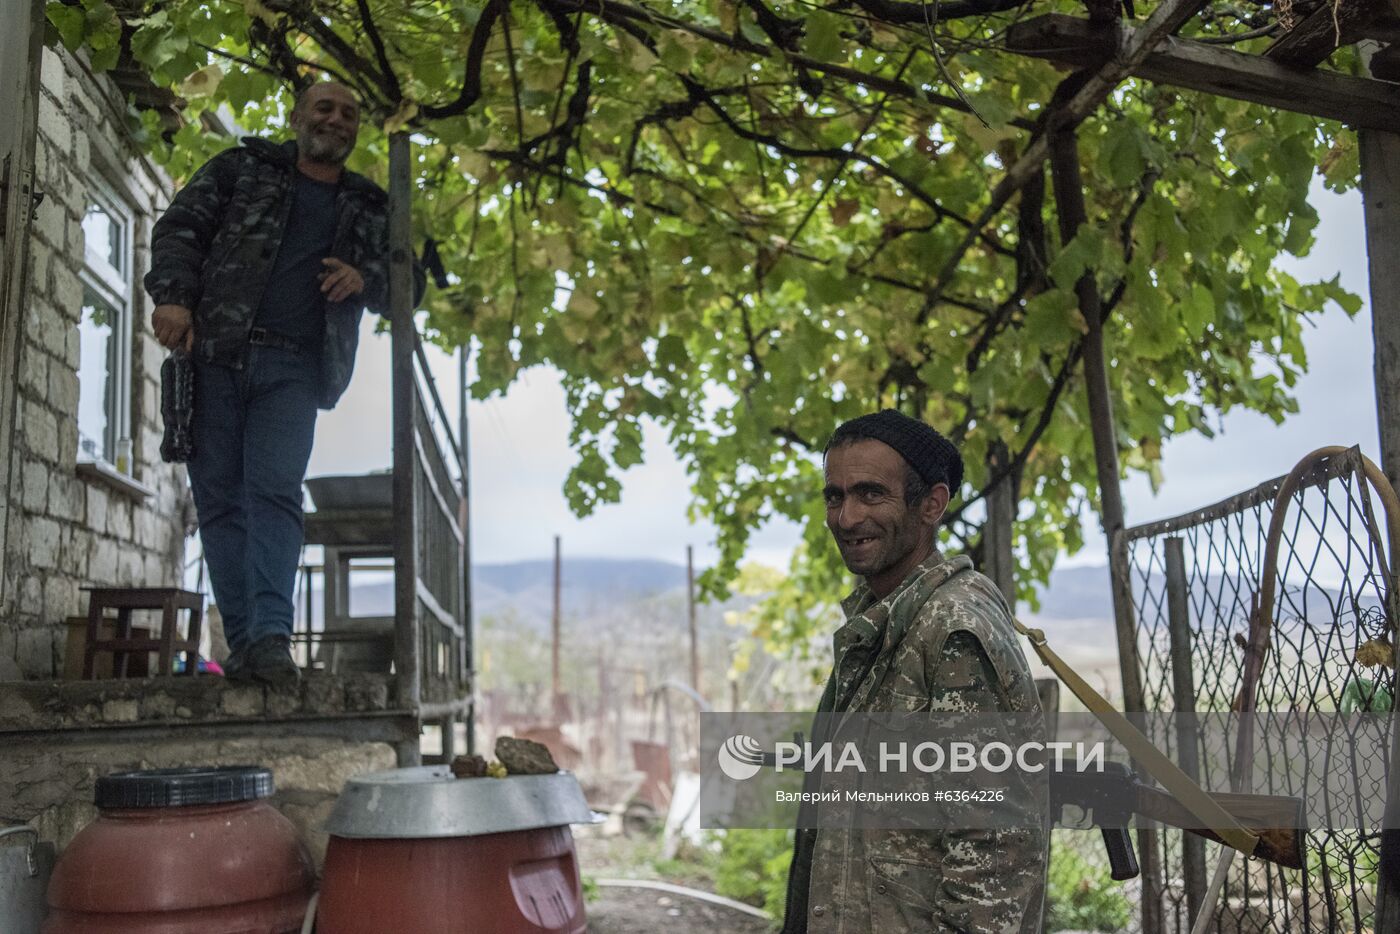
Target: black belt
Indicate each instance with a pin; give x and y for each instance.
(262, 337)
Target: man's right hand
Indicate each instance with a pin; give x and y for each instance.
(174, 326)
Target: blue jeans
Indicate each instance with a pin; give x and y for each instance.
(252, 439)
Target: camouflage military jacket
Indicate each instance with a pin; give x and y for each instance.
(941, 643)
(214, 248)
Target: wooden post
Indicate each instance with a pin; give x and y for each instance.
(601, 723)
(1212, 69)
(554, 627)
(1193, 848)
(1069, 198)
(1380, 193)
(467, 660)
(690, 617)
(407, 671)
(998, 539)
(448, 727)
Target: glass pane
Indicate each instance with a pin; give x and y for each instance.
(96, 401)
(102, 234)
(371, 587)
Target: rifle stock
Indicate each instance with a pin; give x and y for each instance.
(1277, 819)
(1114, 793)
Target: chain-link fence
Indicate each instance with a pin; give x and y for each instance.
(1195, 582)
(1080, 895)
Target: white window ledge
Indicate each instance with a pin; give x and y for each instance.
(104, 473)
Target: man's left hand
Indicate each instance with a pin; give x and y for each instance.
(340, 280)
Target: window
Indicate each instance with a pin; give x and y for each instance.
(104, 333)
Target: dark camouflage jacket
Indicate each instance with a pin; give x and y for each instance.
(941, 643)
(214, 248)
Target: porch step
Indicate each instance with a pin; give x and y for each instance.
(33, 706)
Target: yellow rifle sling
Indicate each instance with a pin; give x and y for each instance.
(1153, 760)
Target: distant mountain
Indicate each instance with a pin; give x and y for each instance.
(1073, 593)
(525, 589)
(613, 577)
(591, 584)
(1076, 606)
(1084, 593)
(1076, 593)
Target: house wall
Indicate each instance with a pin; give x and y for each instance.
(66, 530)
(58, 739)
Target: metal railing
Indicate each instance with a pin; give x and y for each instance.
(439, 515)
(436, 622)
(431, 546)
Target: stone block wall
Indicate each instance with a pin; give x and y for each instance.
(67, 530)
(59, 738)
(308, 772)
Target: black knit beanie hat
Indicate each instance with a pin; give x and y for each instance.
(933, 457)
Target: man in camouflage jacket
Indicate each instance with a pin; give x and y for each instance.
(261, 269)
(214, 249)
(924, 634)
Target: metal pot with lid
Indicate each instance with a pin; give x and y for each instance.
(419, 849)
(25, 867)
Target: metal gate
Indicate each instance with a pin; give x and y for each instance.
(1194, 581)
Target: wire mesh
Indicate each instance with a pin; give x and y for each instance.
(1080, 895)
(1330, 602)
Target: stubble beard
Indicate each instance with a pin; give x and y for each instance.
(324, 148)
(897, 543)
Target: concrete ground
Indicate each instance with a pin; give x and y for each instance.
(625, 910)
(639, 911)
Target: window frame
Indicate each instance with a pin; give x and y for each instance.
(114, 286)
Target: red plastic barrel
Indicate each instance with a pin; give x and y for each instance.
(522, 882)
(177, 851)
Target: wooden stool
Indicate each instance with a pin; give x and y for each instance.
(169, 600)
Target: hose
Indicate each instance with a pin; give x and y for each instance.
(670, 889)
(309, 924)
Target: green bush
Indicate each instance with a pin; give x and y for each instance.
(1082, 896)
(753, 868)
(1348, 865)
(1362, 695)
(692, 865)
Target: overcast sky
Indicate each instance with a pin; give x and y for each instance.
(520, 452)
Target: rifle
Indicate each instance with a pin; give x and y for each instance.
(1110, 798)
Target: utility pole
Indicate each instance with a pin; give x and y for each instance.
(555, 692)
(690, 615)
(601, 725)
